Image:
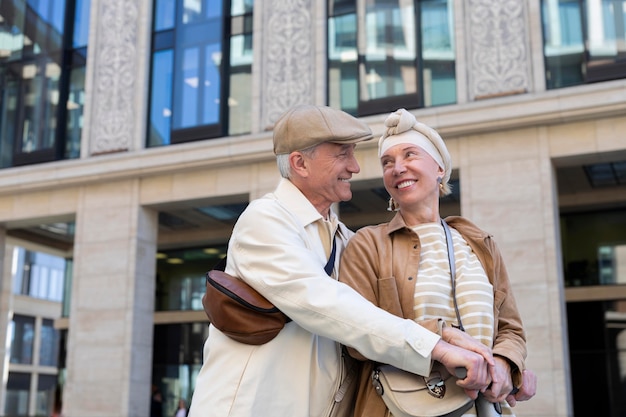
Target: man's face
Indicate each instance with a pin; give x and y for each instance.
(329, 170)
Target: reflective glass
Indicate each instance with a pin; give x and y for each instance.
(594, 252)
(165, 14)
(239, 7)
(563, 42)
(389, 65)
(12, 16)
(438, 57)
(22, 333)
(7, 117)
(75, 110)
(45, 25)
(240, 98)
(198, 70)
(343, 65)
(81, 23)
(212, 84)
(38, 274)
(34, 53)
(49, 344)
(387, 54)
(197, 87)
(181, 280)
(161, 100)
(17, 394)
(177, 359)
(46, 388)
(606, 21)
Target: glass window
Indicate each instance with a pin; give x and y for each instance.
(594, 252)
(38, 274)
(46, 392)
(387, 54)
(17, 394)
(39, 107)
(584, 41)
(49, 344)
(181, 280)
(22, 331)
(201, 70)
(176, 361)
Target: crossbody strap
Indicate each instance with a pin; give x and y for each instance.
(221, 265)
(331, 259)
(446, 229)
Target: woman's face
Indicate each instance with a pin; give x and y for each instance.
(411, 176)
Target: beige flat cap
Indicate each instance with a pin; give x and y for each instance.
(306, 125)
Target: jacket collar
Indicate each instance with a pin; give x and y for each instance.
(469, 228)
(293, 200)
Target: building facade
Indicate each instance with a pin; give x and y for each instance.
(133, 133)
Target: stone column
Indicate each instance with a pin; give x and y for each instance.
(109, 355)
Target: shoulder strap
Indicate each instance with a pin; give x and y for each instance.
(221, 265)
(452, 270)
(331, 260)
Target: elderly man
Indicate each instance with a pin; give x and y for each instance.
(280, 246)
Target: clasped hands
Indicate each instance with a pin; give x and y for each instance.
(483, 372)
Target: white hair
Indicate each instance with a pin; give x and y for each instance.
(282, 160)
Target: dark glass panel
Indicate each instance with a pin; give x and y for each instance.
(22, 339)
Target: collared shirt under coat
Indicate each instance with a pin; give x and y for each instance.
(275, 247)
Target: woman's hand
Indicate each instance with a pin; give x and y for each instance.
(526, 390)
(502, 384)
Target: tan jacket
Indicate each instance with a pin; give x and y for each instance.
(381, 263)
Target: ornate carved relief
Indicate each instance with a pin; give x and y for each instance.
(287, 57)
(114, 85)
(497, 48)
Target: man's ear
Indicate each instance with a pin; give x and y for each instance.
(299, 164)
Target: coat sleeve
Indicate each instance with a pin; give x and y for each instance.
(362, 269)
(277, 256)
(510, 338)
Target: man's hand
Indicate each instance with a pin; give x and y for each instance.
(478, 375)
(526, 391)
(461, 339)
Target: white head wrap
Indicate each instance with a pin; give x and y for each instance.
(402, 127)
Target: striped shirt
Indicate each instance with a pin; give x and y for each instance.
(433, 291)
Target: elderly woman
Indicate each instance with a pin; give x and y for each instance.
(403, 266)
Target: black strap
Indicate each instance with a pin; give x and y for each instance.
(330, 265)
(452, 270)
(221, 265)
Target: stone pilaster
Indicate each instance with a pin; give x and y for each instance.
(109, 355)
(117, 49)
(498, 58)
(288, 56)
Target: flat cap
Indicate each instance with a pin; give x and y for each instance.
(306, 125)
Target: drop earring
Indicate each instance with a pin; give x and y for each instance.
(392, 205)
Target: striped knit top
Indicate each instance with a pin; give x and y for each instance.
(433, 294)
